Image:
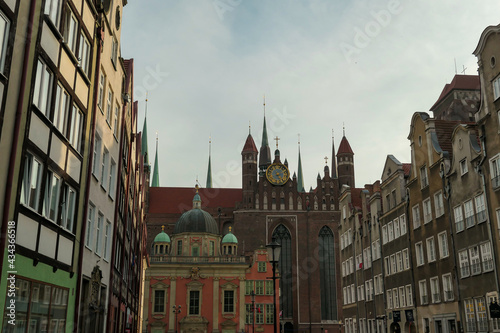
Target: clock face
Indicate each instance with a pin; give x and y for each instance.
(277, 174)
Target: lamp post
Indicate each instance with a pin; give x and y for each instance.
(275, 250)
(177, 310)
(252, 293)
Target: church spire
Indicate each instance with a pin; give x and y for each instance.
(265, 151)
(144, 146)
(300, 178)
(156, 171)
(334, 164)
(209, 172)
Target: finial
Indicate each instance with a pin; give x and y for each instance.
(146, 111)
(196, 187)
(230, 229)
(333, 136)
(264, 105)
(343, 127)
(276, 138)
(156, 136)
(162, 228)
(249, 128)
(299, 138)
(326, 160)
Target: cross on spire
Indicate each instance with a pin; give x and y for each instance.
(276, 138)
(326, 159)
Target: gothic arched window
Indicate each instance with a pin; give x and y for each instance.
(327, 274)
(283, 237)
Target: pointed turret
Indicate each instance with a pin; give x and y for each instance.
(334, 164)
(345, 162)
(156, 171)
(209, 172)
(265, 151)
(249, 171)
(300, 178)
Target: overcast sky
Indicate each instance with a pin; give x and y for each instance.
(321, 64)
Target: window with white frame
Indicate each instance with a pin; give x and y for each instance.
(459, 218)
(416, 216)
(409, 295)
(426, 204)
(76, 128)
(402, 297)
(390, 231)
(389, 299)
(112, 176)
(402, 222)
(397, 231)
(422, 287)
(51, 198)
(496, 88)
(395, 297)
(99, 231)
(116, 120)
(480, 208)
(4, 38)
(345, 295)
(32, 181)
(90, 226)
(43, 88)
(84, 54)
(62, 107)
(475, 262)
(387, 264)
(406, 259)
(104, 167)
(470, 318)
(394, 268)
(431, 249)
(469, 213)
(424, 181)
(463, 257)
(495, 169)
(159, 301)
(438, 203)
(353, 293)
(102, 84)
(70, 29)
(481, 316)
(349, 236)
(384, 234)
(68, 208)
(399, 261)
(419, 252)
(443, 245)
(108, 238)
(96, 155)
(435, 293)
(114, 51)
(343, 269)
(448, 287)
(486, 256)
(53, 11)
(109, 106)
(463, 167)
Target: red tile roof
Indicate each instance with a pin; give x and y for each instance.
(356, 197)
(444, 130)
(344, 147)
(406, 168)
(459, 82)
(176, 200)
(250, 145)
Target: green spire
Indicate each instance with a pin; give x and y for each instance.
(300, 178)
(145, 137)
(209, 172)
(156, 171)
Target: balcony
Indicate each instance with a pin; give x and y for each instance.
(187, 259)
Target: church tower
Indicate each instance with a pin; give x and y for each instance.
(345, 162)
(249, 172)
(265, 151)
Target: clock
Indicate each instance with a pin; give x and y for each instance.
(277, 174)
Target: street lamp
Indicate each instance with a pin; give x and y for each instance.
(275, 249)
(177, 310)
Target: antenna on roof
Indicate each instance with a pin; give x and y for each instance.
(464, 68)
(455, 59)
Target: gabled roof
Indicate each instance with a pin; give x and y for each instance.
(344, 147)
(406, 168)
(250, 145)
(459, 82)
(176, 200)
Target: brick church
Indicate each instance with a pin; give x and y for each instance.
(273, 203)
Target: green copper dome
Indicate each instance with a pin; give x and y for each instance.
(229, 238)
(162, 237)
(196, 219)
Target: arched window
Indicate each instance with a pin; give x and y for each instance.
(284, 238)
(327, 274)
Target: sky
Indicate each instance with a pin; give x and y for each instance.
(324, 67)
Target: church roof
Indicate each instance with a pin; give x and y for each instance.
(250, 145)
(345, 147)
(459, 82)
(176, 200)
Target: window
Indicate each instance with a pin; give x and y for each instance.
(426, 204)
(431, 250)
(76, 128)
(53, 11)
(96, 155)
(248, 287)
(486, 257)
(480, 208)
(416, 216)
(422, 286)
(496, 88)
(194, 302)
(390, 231)
(159, 300)
(495, 167)
(463, 167)
(469, 213)
(107, 240)
(111, 184)
(90, 226)
(394, 268)
(482, 319)
(470, 316)
(443, 245)
(399, 261)
(397, 231)
(43, 88)
(387, 264)
(402, 297)
(406, 259)
(114, 51)
(464, 263)
(459, 219)
(61, 109)
(109, 106)
(438, 203)
(68, 208)
(424, 181)
(104, 167)
(269, 313)
(70, 30)
(261, 266)
(102, 84)
(99, 226)
(435, 294)
(269, 287)
(388, 201)
(384, 234)
(475, 264)
(409, 295)
(259, 287)
(51, 198)
(228, 301)
(32, 180)
(419, 251)
(402, 222)
(84, 54)
(389, 299)
(448, 288)
(116, 122)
